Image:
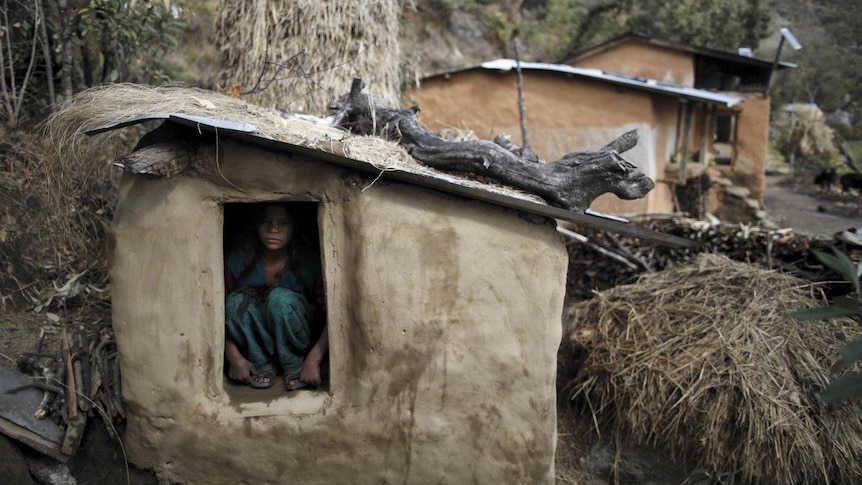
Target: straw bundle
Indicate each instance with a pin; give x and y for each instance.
(301, 54)
(705, 361)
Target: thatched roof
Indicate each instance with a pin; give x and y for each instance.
(705, 361)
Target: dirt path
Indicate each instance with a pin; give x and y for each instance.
(799, 205)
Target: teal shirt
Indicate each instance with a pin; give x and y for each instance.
(302, 281)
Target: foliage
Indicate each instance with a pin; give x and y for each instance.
(442, 10)
(499, 24)
(830, 62)
(568, 26)
(126, 41)
(848, 386)
(743, 23)
(79, 45)
(54, 229)
(804, 140)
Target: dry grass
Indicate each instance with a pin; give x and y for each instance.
(74, 188)
(303, 54)
(704, 361)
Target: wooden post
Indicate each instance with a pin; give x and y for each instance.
(686, 133)
(705, 129)
(773, 69)
(522, 109)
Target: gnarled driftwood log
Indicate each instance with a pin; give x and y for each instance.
(571, 182)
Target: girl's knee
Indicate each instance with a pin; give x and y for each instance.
(281, 292)
(281, 296)
(233, 301)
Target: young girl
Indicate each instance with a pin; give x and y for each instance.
(269, 315)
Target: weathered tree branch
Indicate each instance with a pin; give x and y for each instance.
(572, 182)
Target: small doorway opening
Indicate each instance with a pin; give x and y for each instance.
(725, 138)
(275, 305)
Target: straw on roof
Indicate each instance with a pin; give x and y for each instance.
(116, 103)
(77, 171)
(705, 361)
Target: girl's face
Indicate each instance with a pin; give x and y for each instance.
(275, 229)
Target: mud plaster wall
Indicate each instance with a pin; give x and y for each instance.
(639, 59)
(564, 114)
(444, 323)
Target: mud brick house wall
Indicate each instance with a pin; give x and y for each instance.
(443, 317)
(695, 110)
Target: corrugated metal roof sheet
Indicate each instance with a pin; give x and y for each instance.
(441, 182)
(644, 84)
(707, 52)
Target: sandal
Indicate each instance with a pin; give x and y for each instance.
(297, 383)
(263, 378)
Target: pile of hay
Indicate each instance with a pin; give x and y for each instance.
(298, 56)
(704, 361)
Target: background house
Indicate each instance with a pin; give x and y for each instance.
(695, 110)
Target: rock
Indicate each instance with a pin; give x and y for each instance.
(738, 191)
(641, 465)
(48, 471)
(851, 236)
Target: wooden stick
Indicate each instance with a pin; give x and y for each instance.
(71, 399)
(597, 247)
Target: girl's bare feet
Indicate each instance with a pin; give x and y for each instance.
(240, 370)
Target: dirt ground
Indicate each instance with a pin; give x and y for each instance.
(789, 202)
(797, 203)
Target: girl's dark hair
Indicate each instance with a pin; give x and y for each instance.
(252, 247)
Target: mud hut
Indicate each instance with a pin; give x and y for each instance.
(443, 299)
(443, 312)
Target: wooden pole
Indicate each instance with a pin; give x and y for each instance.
(522, 109)
(774, 68)
(705, 129)
(686, 133)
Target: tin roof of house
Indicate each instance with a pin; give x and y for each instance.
(718, 54)
(634, 82)
(330, 153)
(643, 84)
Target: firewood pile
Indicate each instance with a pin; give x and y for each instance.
(600, 260)
(78, 370)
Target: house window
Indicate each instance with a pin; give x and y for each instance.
(275, 298)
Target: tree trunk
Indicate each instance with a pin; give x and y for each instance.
(67, 64)
(572, 182)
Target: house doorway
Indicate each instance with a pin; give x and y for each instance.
(303, 275)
